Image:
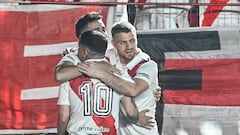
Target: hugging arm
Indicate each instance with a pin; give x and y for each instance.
(139, 118)
(130, 108)
(122, 85)
(66, 71)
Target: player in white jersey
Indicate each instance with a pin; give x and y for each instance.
(140, 67)
(67, 69)
(84, 118)
(86, 105)
(127, 57)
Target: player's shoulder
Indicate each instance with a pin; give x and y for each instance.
(76, 82)
(147, 59)
(150, 64)
(71, 58)
(110, 52)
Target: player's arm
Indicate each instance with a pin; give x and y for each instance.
(145, 121)
(131, 111)
(98, 68)
(63, 118)
(130, 108)
(66, 68)
(126, 87)
(66, 71)
(118, 83)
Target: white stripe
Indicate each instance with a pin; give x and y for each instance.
(22, 132)
(36, 7)
(45, 50)
(201, 120)
(39, 93)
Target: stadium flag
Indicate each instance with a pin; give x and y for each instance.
(199, 71)
(212, 12)
(219, 13)
(32, 38)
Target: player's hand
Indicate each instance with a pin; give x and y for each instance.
(144, 120)
(157, 93)
(97, 69)
(70, 51)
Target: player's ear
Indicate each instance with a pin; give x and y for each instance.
(85, 53)
(113, 43)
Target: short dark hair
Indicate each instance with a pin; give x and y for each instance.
(84, 20)
(122, 27)
(95, 41)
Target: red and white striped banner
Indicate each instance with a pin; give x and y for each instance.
(32, 38)
(200, 74)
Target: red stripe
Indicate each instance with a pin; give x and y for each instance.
(133, 71)
(75, 83)
(141, 2)
(209, 15)
(106, 122)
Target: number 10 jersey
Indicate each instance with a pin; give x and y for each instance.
(94, 107)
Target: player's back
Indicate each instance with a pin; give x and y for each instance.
(94, 108)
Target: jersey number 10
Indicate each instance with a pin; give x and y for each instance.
(97, 99)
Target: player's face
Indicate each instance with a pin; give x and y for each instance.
(97, 25)
(126, 45)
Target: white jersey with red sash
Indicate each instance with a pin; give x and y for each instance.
(94, 107)
(140, 67)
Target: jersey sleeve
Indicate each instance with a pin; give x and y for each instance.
(63, 94)
(69, 58)
(147, 72)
